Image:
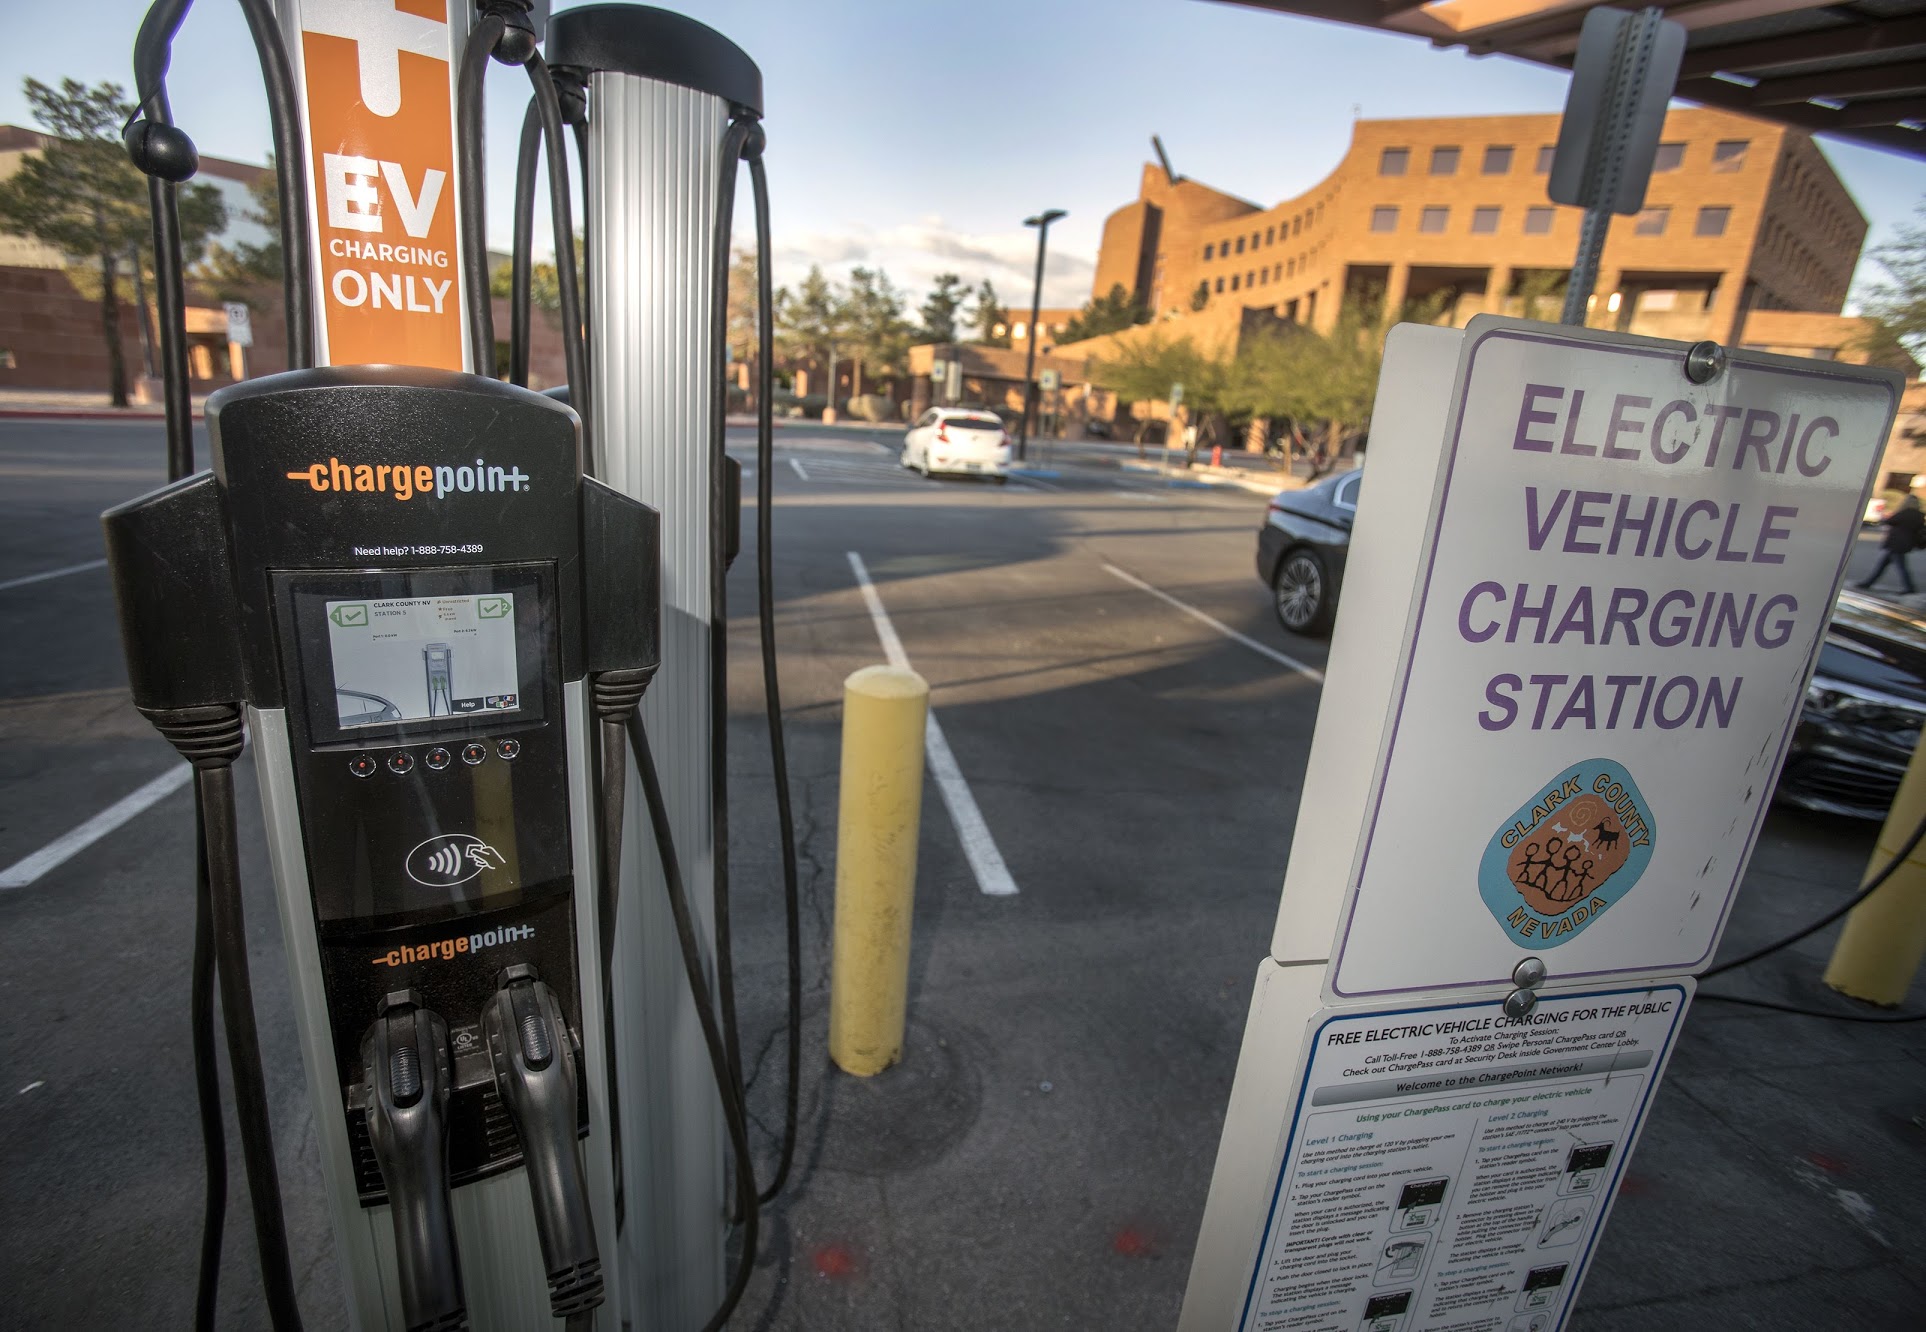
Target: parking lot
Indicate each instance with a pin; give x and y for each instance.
(1132, 725)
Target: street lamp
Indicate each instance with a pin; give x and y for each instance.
(1042, 223)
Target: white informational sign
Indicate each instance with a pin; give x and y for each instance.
(1625, 585)
(1049, 380)
(240, 325)
(1448, 1167)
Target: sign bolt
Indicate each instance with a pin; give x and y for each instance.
(1519, 1003)
(1529, 974)
(1704, 362)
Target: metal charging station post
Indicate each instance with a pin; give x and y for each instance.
(662, 90)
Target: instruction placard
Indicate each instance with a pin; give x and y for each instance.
(1449, 1167)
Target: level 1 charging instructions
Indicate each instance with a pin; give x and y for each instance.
(1448, 1168)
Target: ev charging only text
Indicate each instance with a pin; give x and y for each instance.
(1618, 525)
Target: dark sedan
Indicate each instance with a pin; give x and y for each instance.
(1862, 716)
(1301, 549)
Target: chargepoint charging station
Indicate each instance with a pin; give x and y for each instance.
(433, 602)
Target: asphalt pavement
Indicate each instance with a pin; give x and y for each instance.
(1040, 1158)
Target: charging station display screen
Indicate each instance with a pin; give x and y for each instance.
(423, 658)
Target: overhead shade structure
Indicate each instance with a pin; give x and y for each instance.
(1856, 70)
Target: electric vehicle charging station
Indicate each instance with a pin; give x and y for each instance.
(440, 599)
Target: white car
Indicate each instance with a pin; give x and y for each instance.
(957, 439)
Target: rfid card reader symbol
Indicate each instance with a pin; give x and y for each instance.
(451, 858)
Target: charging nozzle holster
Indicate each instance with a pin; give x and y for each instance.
(405, 1055)
(534, 1061)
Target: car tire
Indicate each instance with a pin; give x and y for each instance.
(1301, 593)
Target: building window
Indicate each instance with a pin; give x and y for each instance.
(1729, 154)
(1209, 250)
(1277, 272)
(1444, 161)
(1433, 219)
(1250, 278)
(1393, 161)
(1484, 221)
(1233, 282)
(1670, 157)
(1651, 222)
(1384, 217)
(1498, 159)
(1712, 221)
(1290, 268)
(1297, 224)
(1545, 156)
(1269, 234)
(1240, 245)
(1538, 221)
(1254, 240)
(1019, 330)
(1264, 276)
(1220, 284)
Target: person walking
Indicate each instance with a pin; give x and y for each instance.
(1905, 532)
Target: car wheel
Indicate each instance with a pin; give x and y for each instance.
(1302, 594)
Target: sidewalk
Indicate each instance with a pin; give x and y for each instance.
(80, 403)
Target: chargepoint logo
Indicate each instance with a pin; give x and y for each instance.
(451, 858)
(406, 481)
(447, 950)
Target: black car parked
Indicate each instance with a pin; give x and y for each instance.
(1301, 549)
(1862, 716)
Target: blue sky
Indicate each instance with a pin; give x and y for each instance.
(918, 135)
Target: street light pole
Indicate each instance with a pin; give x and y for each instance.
(1042, 223)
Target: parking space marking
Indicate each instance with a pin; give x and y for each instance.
(52, 573)
(64, 848)
(797, 468)
(979, 847)
(1310, 672)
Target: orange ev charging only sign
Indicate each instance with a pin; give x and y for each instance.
(377, 82)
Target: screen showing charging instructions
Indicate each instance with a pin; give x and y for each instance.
(420, 658)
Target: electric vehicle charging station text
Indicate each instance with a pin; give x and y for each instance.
(440, 625)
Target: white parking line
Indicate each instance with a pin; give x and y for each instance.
(979, 847)
(53, 573)
(1310, 672)
(1033, 483)
(66, 847)
(798, 469)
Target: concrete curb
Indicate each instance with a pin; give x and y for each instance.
(84, 414)
(1215, 476)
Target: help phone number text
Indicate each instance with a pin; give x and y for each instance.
(473, 548)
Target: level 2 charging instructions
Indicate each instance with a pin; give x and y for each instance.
(1449, 1168)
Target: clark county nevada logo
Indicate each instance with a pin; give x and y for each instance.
(1574, 849)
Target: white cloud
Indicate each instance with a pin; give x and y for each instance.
(913, 253)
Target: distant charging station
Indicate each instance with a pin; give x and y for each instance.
(1585, 595)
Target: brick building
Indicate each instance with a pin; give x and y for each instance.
(1741, 216)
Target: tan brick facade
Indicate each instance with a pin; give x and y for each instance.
(1739, 213)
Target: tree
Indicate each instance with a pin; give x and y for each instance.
(1201, 297)
(1112, 312)
(879, 336)
(742, 305)
(1897, 305)
(940, 309)
(812, 323)
(82, 196)
(545, 282)
(987, 316)
(1146, 369)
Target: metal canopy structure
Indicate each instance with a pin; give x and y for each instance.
(1855, 70)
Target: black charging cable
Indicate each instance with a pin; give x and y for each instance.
(1870, 887)
(766, 617)
(503, 33)
(734, 1109)
(521, 259)
(168, 158)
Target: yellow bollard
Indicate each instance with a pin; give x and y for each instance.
(1880, 950)
(881, 801)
